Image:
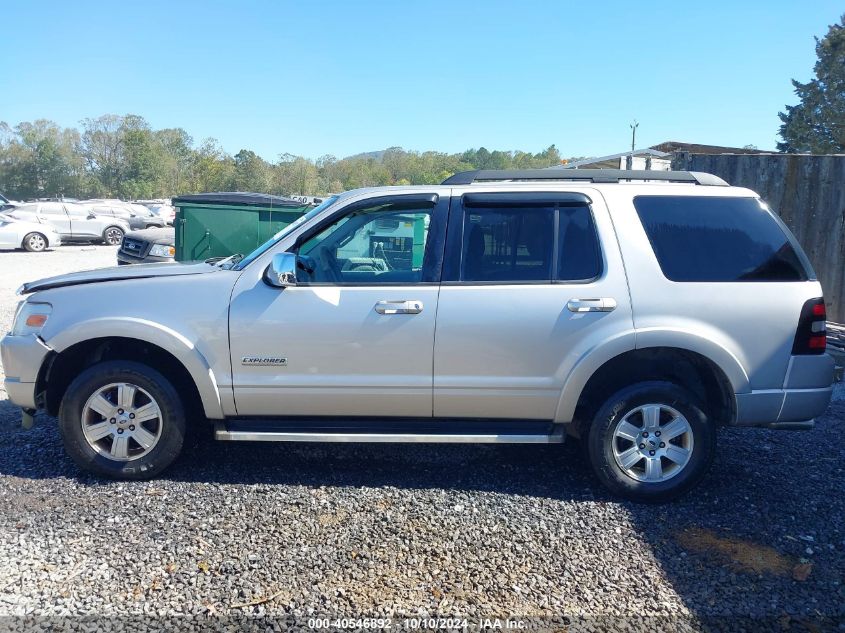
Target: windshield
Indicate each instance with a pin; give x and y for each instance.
(246, 261)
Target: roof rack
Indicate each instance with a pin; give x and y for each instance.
(585, 175)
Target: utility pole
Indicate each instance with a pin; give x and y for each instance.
(634, 127)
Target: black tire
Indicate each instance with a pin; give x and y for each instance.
(600, 442)
(113, 236)
(35, 242)
(172, 420)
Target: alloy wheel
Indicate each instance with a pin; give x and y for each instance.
(36, 242)
(114, 237)
(122, 421)
(652, 443)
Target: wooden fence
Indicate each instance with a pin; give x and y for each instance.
(808, 192)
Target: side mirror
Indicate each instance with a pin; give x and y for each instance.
(92, 216)
(281, 272)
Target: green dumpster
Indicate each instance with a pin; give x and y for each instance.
(224, 223)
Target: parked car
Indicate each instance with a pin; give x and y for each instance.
(5, 203)
(637, 316)
(166, 212)
(161, 207)
(73, 222)
(54, 199)
(30, 236)
(148, 246)
(137, 215)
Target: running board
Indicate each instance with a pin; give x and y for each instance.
(414, 431)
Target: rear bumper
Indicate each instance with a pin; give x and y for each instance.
(808, 387)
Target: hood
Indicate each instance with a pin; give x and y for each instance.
(164, 235)
(118, 273)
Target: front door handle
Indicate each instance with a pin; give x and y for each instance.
(605, 304)
(399, 307)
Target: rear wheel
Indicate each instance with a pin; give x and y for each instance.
(123, 420)
(651, 442)
(35, 242)
(113, 235)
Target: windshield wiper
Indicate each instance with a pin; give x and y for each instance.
(231, 260)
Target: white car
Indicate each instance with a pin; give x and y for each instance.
(33, 237)
(137, 215)
(165, 211)
(74, 222)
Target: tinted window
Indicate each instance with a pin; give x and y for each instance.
(579, 258)
(507, 244)
(717, 239)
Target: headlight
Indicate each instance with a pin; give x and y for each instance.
(30, 318)
(162, 250)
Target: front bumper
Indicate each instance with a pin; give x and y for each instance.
(806, 393)
(22, 358)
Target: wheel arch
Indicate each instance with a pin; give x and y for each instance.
(108, 339)
(690, 369)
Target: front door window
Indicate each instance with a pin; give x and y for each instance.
(368, 246)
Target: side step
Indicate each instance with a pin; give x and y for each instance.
(393, 430)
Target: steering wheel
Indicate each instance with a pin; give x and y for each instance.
(329, 264)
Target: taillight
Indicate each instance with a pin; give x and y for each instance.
(811, 335)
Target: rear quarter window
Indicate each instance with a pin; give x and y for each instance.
(718, 239)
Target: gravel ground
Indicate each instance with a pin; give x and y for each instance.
(407, 530)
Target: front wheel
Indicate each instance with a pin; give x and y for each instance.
(123, 420)
(651, 442)
(113, 235)
(35, 242)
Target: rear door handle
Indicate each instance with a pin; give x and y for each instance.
(605, 304)
(399, 307)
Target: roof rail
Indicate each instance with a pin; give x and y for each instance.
(586, 175)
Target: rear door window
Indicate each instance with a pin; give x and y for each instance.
(508, 244)
(509, 238)
(713, 239)
(579, 257)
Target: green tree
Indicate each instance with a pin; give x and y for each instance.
(817, 123)
(102, 150)
(141, 168)
(252, 173)
(40, 159)
(122, 156)
(295, 175)
(176, 157)
(212, 169)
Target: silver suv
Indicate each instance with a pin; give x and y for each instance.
(637, 311)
